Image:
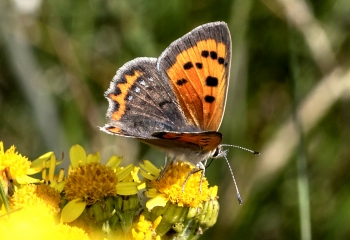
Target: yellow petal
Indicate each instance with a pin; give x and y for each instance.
(24, 179)
(126, 188)
(37, 164)
(59, 186)
(77, 156)
(157, 221)
(213, 192)
(146, 174)
(150, 168)
(135, 235)
(72, 210)
(125, 172)
(160, 200)
(151, 193)
(141, 186)
(93, 158)
(114, 162)
(52, 167)
(135, 175)
(60, 177)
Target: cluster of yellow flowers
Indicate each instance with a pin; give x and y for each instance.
(91, 200)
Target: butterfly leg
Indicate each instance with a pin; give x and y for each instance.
(165, 160)
(166, 166)
(199, 167)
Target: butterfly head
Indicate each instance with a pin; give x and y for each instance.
(219, 152)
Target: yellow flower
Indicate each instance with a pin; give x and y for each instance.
(32, 216)
(170, 186)
(14, 166)
(90, 182)
(30, 225)
(146, 230)
(184, 222)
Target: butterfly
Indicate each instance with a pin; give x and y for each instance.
(176, 102)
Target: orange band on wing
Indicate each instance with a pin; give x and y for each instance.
(114, 130)
(206, 141)
(124, 90)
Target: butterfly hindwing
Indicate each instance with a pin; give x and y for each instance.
(198, 66)
(198, 141)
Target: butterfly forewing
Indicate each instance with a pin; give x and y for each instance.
(141, 102)
(197, 66)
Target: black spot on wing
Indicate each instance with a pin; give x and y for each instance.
(213, 55)
(188, 65)
(199, 65)
(205, 53)
(181, 82)
(209, 99)
(211, 81)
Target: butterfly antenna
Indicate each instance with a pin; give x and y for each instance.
(234, 181)
(245, 149)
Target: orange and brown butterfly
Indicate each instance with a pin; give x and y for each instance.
(176, 102)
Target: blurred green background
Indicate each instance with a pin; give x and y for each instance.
(289, 98)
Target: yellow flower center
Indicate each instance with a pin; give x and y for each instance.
(40, 198)
(172, 182)
(91, 183)
(50, 195)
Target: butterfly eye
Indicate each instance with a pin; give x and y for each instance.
(217, 152)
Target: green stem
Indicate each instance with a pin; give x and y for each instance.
(301, 161)
(4, 198)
